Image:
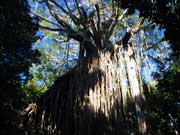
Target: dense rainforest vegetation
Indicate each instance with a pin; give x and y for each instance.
(17, 33)
(95, 67)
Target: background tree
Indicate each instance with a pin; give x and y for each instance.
(163, 103)
(17, 33)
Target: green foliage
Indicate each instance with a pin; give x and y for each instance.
(163, 102)
(56, 59)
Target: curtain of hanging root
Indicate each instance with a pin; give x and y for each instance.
(102, 97)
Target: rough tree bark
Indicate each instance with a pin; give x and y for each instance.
(102, 95)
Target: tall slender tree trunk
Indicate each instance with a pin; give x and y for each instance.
(101, 96)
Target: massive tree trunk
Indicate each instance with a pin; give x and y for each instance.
(101, 96)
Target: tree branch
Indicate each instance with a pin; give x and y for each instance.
(60, 21)
(49, 28)
(73, 17)
(114, 23)
(155, 45)
(98, 26)
(42, 18)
